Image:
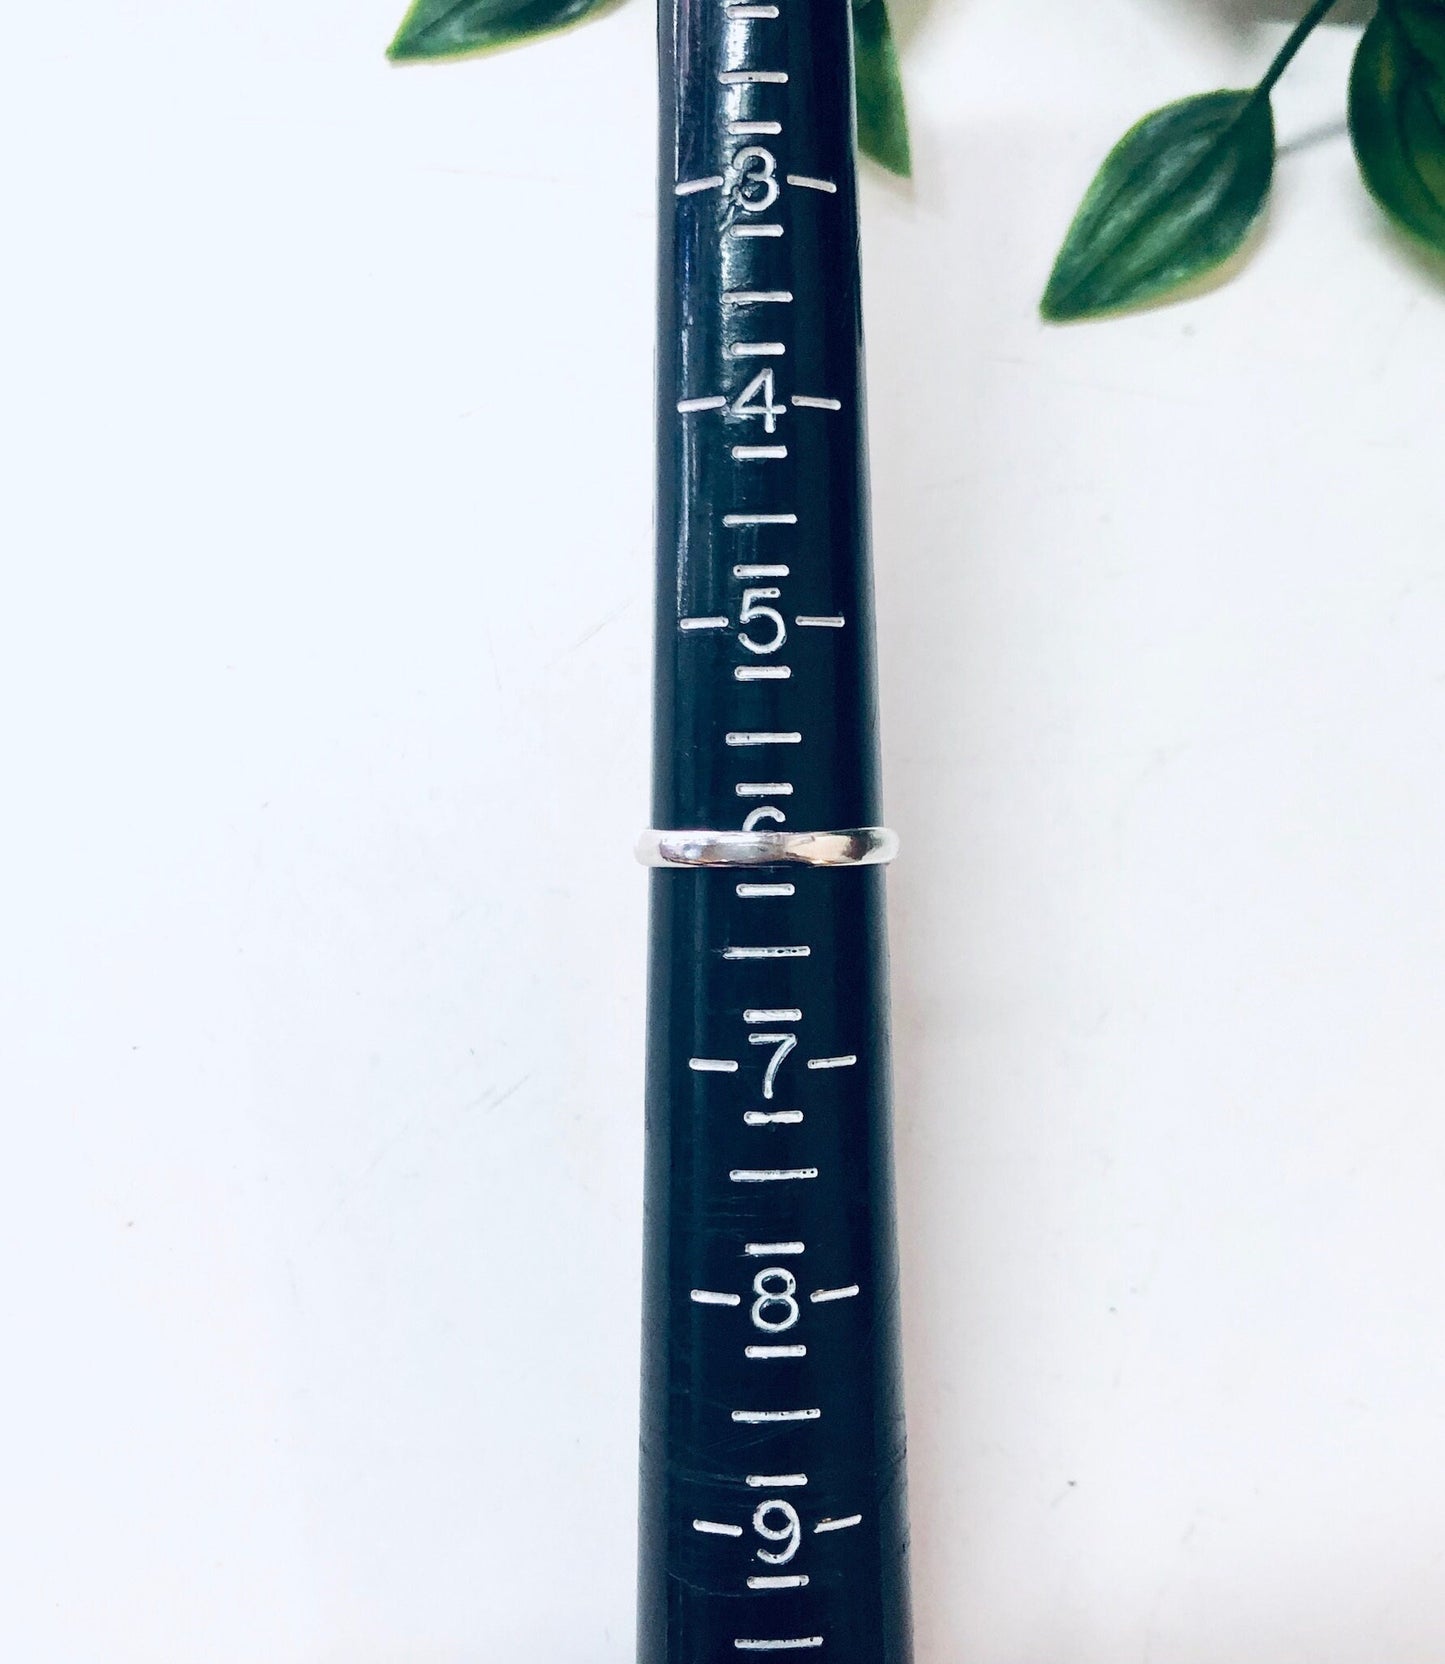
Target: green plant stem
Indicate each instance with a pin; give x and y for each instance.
(1297, 36)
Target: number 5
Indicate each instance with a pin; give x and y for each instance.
(751, 610)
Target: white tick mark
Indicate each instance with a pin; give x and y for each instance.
(714, 401)
(832, 1062)
(756, 892)
(778, 1014)
(795, 1580)
(839, 1525)
(754, 1416)
(686, 187)
(808, 183)
(771, 1481)
(757, 349)
(827, 621)
(760, 571)
(760, 737)
(806, 401)
(759, 453)
(743, 128)
(770, 1175)
(751, 230)
(702, 624)
(763, 788)
(713, 1065)
(740, 77)
(758, 297)
(766, 953)
(710, 1297)
(752, 11)
(819, 1295)
(765, 1250)
(760, 519)
(782, 1117)
(779, 1646)
(717, 1529)
(762, 673)
(775, 1352)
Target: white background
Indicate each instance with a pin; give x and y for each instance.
(326, 567)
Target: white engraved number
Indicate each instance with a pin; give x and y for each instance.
(756, 399)
(789, 1532)
(751, 610)
(775, 1288)
(756, 186)
(782, 1044)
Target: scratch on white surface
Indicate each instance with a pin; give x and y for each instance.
(601, 624)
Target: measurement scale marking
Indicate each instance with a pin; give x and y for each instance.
(779, 1646)
(711, 1297)
(832, 1062)
(764, 737)
(686, 187)
(771, 1175)
(763, 788)
(752, 11)
(755, 1416)
(758, 297)
(767, 953)
(795, 1580)
(755, 230)
(779, 1014)
(742, 128)
(757, 349)
(772, 1481)
(819, 1295)
(760, 571)
(717, 1529)
(702, 623)
(756, 892)
(762, 673)
(759, 453)
(827, 621)
(761, 1250)
(713, 401)
(839, 1525)
(808, 183)
(775, 1352)
(713, 1065)
(760, 519)
(740, 77)
(806, 401)
(777, 1117)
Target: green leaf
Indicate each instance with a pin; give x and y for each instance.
(449, 28)
(882, 121)
(1175, 198)
(1397, 114)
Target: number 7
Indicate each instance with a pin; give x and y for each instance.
(784, 1044)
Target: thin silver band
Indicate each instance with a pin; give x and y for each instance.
(859, 846)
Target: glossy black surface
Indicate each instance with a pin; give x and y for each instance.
(712, 1001)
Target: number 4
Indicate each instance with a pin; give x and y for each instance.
(756, 399)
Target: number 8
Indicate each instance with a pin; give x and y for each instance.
(775, 1287)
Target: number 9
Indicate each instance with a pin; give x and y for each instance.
(790, 1532)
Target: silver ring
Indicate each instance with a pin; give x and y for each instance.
(859, 846)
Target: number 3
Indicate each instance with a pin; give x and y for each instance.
(756, 186)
